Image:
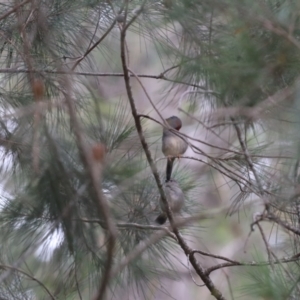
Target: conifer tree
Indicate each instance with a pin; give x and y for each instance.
(86, 86)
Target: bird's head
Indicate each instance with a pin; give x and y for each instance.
(174, 122)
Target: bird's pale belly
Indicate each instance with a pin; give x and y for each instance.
(174, 146)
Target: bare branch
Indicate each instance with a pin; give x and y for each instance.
(187, 250)
(96, 74)
(101, 203)
(233, 263)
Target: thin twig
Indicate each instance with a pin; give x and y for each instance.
(14, 9)
(191, 274)
(248, 157)
(30, 276)
(137, 251)
(131, 226)
(147, 95)
(205, 126)
(96, 74)
(229, 285)
(288, 227)
(232, 263)
(88, 51)
(269, 251)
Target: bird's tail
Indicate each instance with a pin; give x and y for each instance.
(161, 219)
(170, 162)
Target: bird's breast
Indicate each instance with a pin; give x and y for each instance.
(175, 198)
(173, 145)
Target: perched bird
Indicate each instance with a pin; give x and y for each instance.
(175, 197)
(172, 145)
(120, 18)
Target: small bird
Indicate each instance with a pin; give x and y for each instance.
(175, 197)
(172, 145)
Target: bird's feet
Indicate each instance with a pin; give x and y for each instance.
(178, 157)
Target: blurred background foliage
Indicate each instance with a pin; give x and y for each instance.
(228, 68)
